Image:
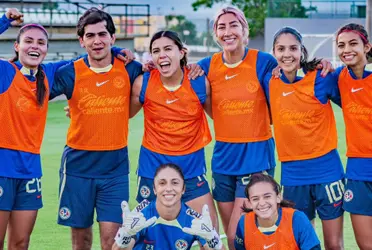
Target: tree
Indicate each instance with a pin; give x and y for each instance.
(257, 10)
(185, 28)
(50, 5)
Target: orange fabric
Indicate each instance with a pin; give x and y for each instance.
(23, 118)
(239, 105)
(304, 128)
(281, 239)
(175, 122)
(356, 97)
(99, 108)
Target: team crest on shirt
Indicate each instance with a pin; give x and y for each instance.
(1, 191)
(64, 213)
(145, 192)
(181, 244)
(119, 82)
(348, 195)
(252, 87)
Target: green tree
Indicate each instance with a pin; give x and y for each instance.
(185, 28)
(50, 6)
(257, 10)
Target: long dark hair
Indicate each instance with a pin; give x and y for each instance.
(259, 177)
(40, 75)
(361, 31)
(93, 16)
(172, 166)
(175, 38)
(304, 63)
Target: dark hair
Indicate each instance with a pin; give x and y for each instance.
(361, 31)
(40, 85)
(304, 63)
(175, 38)
(259, 177)
(172, 166)
(93, 16)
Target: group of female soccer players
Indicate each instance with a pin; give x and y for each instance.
(243, 97)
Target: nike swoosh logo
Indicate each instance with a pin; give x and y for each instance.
(355, 90)
(33, 89)
(199, 184)
(337, 204)
(267, 247)
(171, 101)
(230, 77)
(287, 93)
(99, 84)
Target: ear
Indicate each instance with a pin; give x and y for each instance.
(367, 47)
(154, 189)
(279, 198)
(81, 42)
(16, 46)
(183, 53)
(113, 39)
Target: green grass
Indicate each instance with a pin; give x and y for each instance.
(48, 234)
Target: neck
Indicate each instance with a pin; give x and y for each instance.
(268, 222)
(100, 63)
(235, 56)
(173, 80)
(358, 70)
(291, 76)
(168, 213)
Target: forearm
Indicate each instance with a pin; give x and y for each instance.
(4, 24)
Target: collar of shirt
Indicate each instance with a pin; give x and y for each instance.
(29, 73)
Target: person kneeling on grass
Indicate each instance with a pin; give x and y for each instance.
(167, 223)
(272, 223)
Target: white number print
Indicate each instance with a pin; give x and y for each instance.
(335, 191)
(33, 185)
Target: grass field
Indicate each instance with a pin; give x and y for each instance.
(47, 235)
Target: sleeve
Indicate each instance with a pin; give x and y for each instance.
(145, 82)
(327, 88)
(201, 240)
(266, 87)
(134, 69)
(239, 237)
(199, 87)
(205, 64)
(64, 81)
(7, 76)
(265, 65)
(304, 232)
(4, 23)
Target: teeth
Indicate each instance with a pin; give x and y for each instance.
(34, 54)
(229, 40)
(164, 64)
(348, 57)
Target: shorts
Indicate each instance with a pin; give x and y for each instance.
(78, 197)
(225, 188)
(358, 197)
(195, 187)
(325, 199)
(20, 194)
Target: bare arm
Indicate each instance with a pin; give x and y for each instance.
(208, 101)
(135, 104)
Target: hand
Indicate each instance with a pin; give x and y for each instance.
(148, 66)
(195, 71)
(127, 57)
(67, 111)
(14, 14)
(203, 228)
(326, 67)
(133, 222)
(276, 72)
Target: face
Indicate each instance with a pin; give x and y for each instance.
(287, 51)
(230, 34)
(264, 200)
(166, 56)
(97, 41)
(32, 48)
(168, 187)
(351, 50)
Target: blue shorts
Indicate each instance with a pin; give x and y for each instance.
(358, 197)
(20, 194)
(195, 187)
(225, 188)
(79, 196)
(326, 199)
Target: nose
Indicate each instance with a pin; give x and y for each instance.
(97, 40)
(347, 48)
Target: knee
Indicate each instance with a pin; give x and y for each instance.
(18, 244)
(107, 242)
(364, 245)
(84, 242)
(334, 245)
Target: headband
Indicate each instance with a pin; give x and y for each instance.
(36, 26)
(363, 37)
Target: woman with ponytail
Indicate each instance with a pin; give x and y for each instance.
(306, 136)
(272, 221)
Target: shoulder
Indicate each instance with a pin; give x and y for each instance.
(147, 208)
(265, 56)
(299, 218)
(65, 69)
(133, 65)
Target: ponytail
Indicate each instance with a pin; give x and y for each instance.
(40, 86)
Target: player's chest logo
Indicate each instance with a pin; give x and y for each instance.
(181, 244)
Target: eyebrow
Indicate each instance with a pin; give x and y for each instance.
(29, 37)
(232, 22)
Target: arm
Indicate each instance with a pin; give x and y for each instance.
(304, 232)
(135, 104)
(64, 81)
(239, 237)
(208, 100)
(205, 64)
